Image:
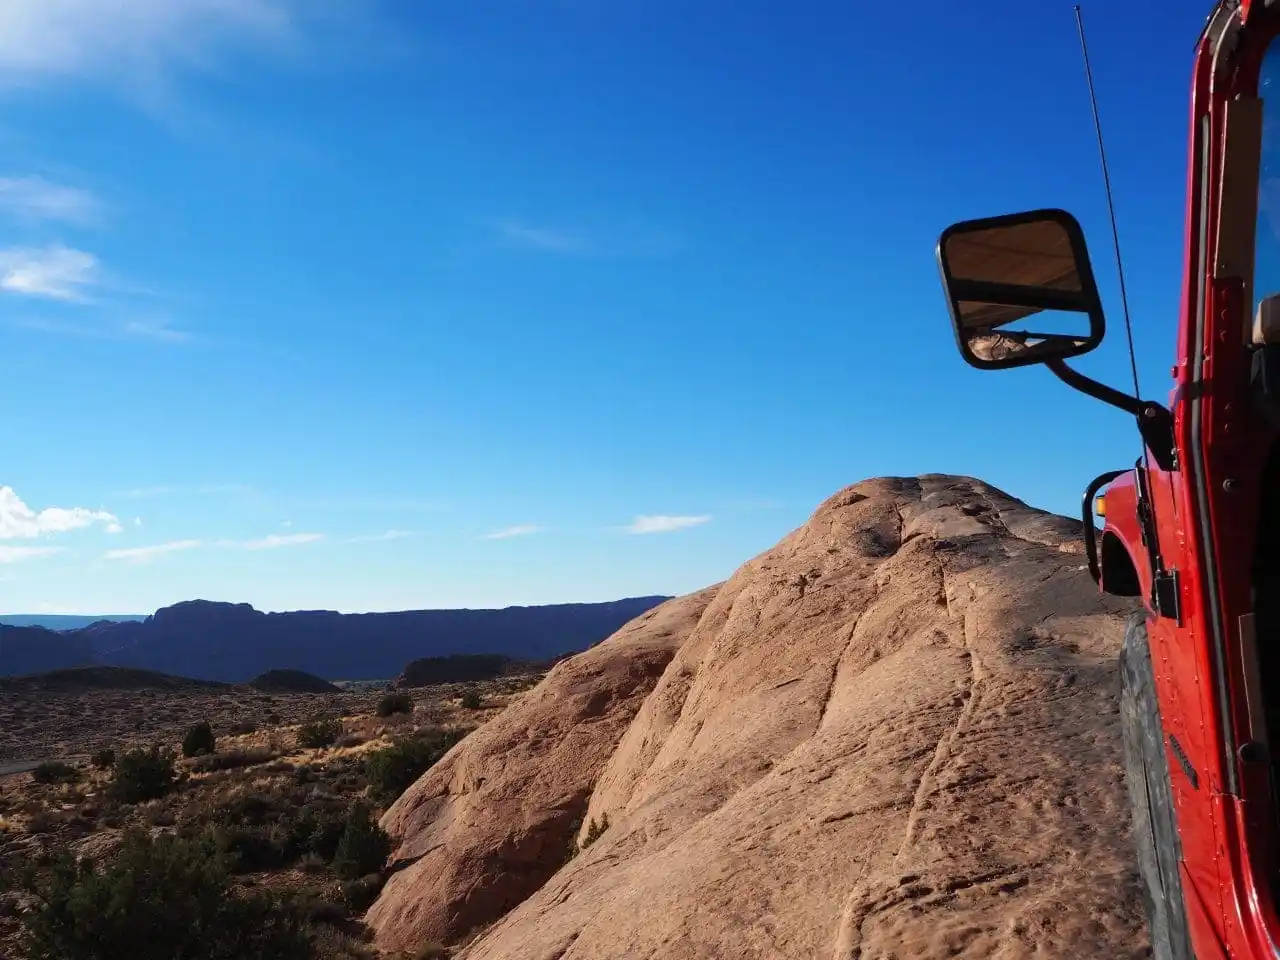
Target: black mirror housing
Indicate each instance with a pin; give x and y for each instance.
(998, 271)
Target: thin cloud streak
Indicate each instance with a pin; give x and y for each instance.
(547, 239)
(273, 542)
(144, 554)
(202, 489)
(660, 523)
(34, 199)
(54, 272)
(520, 530)
(17, 554)
(157, 331)
(381, 537)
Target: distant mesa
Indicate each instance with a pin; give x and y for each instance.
(233, 642)
(104, 678)
(292, 681)
(463, 668)
(64, 621)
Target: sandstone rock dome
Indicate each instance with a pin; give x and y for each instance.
(893, 735)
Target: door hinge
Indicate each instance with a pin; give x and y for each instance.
(1165, 595)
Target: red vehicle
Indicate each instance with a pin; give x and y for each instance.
(1193, 529)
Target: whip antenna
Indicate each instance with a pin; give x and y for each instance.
(1111, 207)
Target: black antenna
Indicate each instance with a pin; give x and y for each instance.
(1111, 207)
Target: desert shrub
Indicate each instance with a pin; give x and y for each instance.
(392, 770)
(55, 771)
(312, 863)
(594, 831)
(142, 774)
(331, 943)
(319, 910)
(199, 740)
(161, 817)
(250, 807)
(249, 848)
(43, 821)
(273, 719)
(242, 727)
(160, 898)
(104, 759)
(359, 894)
(318, 829)
(364, 846)
(319, 733)
(232, 759)
(394, 703)
(471, 699)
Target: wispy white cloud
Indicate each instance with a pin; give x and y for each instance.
(17, 554)
(154, 330)
(51, 273)
(18, 521)
(144, 554)
(375, 503)
(665, 524)
(159, 331)
(609, 241)
(520, 530)
(273, 542)
(33, 198)
(132, 41)
(378, 537)
(203, 489)
(549, 239)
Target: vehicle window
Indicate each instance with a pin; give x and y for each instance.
(1266, 280)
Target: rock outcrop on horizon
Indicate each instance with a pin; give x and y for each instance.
(233, 642)
(895, 734)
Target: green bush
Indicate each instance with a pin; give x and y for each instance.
(319, 733)
(160, 899)
(391, 771)
(199, 740)
(104, 759)
(364, 846)
(142, 775)
(55, 771)
(471, 699)
(360, 893)
(594, 831)
(255, 847)
(394, 703)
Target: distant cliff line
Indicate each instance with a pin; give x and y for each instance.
(233, 642)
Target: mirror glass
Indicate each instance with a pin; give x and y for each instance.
(1021, 289)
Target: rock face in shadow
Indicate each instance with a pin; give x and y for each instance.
(893, 735)
(28, 650)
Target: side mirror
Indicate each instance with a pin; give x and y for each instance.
(999, 271)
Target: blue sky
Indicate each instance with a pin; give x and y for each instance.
(383, 305)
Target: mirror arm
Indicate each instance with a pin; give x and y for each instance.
(1155, 423)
